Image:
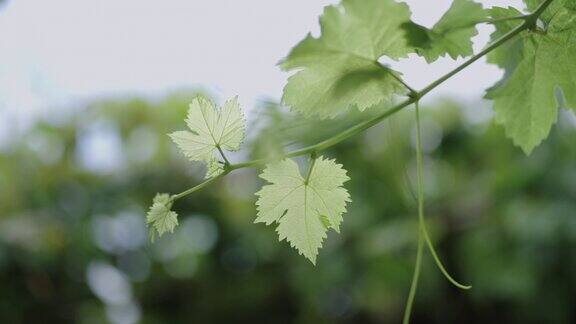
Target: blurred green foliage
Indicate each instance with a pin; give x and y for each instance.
(73, 246)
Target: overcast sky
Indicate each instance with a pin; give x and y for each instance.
(59, 52)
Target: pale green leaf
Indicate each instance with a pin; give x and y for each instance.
(451, 35)
(340, 68)
(209, 129)
(160, 219)
(304, 210)
(527, 99)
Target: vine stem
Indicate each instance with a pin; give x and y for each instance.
(415, 96)
(199, 186)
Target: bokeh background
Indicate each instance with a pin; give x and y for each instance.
(88, 91)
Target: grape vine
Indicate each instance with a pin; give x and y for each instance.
(340, 70)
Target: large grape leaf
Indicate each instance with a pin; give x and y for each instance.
(451, 35)
(340, 68)
(211, 129)
(304, 209)
(540, 75)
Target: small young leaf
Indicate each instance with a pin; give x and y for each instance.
(450, 35)
(211, 129)
(340, 68)
(304, 209)
(160, 218)
(526, 100)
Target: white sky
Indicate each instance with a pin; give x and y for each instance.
(59, 52)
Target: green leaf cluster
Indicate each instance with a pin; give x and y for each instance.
(341, 68)
(540, 73)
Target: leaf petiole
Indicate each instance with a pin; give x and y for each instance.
(310, 167)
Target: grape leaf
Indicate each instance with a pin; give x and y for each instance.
(451, 35)
(340, 68)
(509, 54)
(527, 99)
(160, 218)
(211, 129)
(304, 209)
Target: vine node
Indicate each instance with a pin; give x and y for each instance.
(414, 95)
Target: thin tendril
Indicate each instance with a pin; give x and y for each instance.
(415, 278)
(421, 221)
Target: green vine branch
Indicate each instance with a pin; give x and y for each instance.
(413, 97)
(199, 186)
(529, 21)
(161, 216)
